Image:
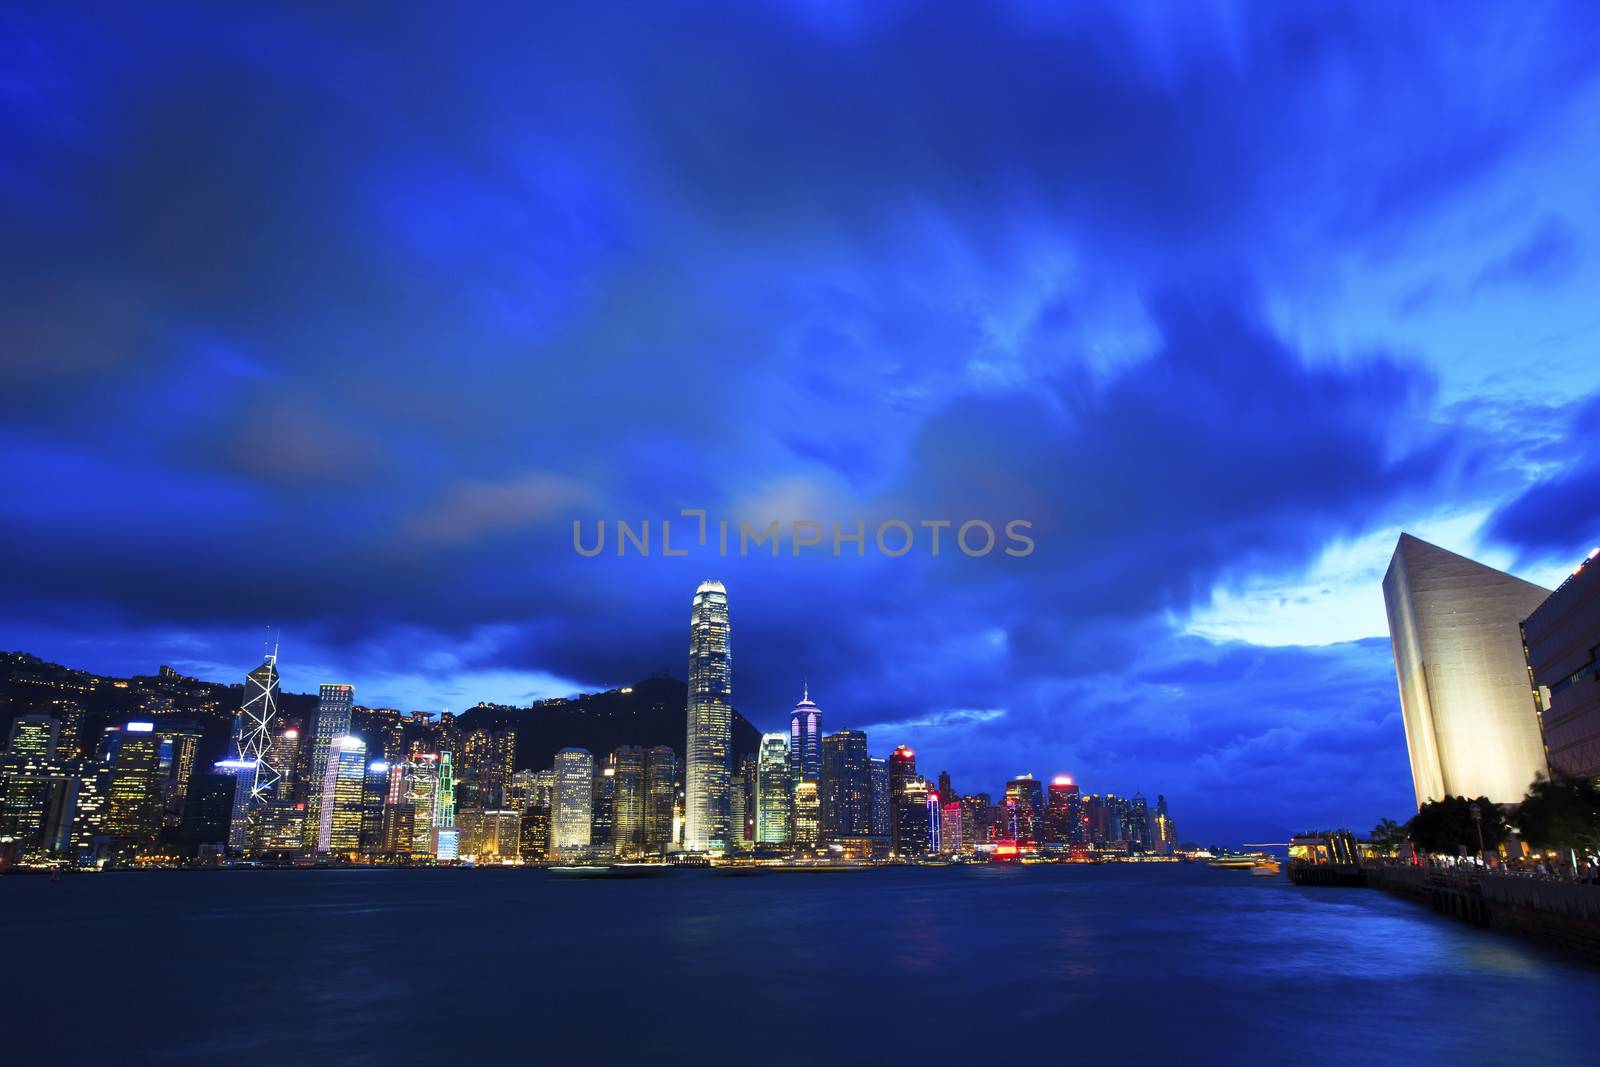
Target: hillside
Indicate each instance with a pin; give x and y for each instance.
(651, 712)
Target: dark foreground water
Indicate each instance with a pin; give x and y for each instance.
(1110, 964)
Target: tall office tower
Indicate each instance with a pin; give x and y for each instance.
(374, 796)
(282, 755)
(660, 797)
(951, 838)
(574, 801)
(1115, 811)
(1094, 820)
(180, 748)
(535, 841)
(1060, 810)
(935, 823)
(882, 801)
(1028, 795)
(444, 796)
(710, 728)
(805, 740)
(339, 806)
(807, 816)
(252, 737)
(913, 829)
(739, 802)
(518, 792)
(1562, 638)
(502, 764)
(627, 801)
(69, 739)
(1138, 822)
(33, 736)
(332, 719)
(1163, 832)
(744, 795)
(976, 819)
(846, 786)
(774, 792)
(399, 830)
(602, 814)
(946, 792)
(422, 792)
(133, 793)
(1471, 721)
(492, 836)
(902, 770)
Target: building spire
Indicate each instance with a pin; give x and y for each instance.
(805, 690)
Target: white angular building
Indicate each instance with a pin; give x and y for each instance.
(1471, 722)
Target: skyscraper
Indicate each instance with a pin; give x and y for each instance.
(807, 816)
(1471, 721)
(710, 722)
(902, 771)
(1061, 810)
(339, 811)
(882, 801)
(574, 801)
(846, 786)
(252, 737)
(1026, 796)
(33, 736)
(915, 819)
(774, 793)
(332, 719)
(661, 797)
(805, 740)
(951, 839)
(133, 797)
(627, 800)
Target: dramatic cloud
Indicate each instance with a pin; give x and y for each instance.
(339, 324)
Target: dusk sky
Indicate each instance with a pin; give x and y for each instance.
(335, 322)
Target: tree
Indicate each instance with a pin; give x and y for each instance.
(1447, 826)
(1388, 835)
(1561, 813)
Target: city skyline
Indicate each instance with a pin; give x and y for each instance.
(1218, 305)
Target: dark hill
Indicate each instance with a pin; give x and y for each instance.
(648, 713)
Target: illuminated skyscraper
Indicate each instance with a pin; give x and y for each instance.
(846, 786)
(574, 800)
(882, 799)
(916, 808)
(774, 794)
(421, 792)
(627, 800)
(33, 736)
(133, 797)
(374, 798)
(805, 740)
(1163, 833)
(708, 764)
(902, 771)
(601, 812)
(807, 817)
(1471, 721)
(252, 737)
(1138, 823)
(1025, 796)
(951, 840)
(340, 804)
(1061, 810)
(282, 754)
(332, 719)
(660, 797)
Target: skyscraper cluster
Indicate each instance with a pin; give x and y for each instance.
(346, 783)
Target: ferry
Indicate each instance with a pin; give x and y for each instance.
(1265, 867)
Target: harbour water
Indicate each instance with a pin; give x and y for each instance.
(1054, 964)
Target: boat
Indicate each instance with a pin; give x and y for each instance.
(1232, 863)
(611, 870)
(1266, 867)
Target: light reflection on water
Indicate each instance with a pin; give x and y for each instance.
(1132, 964)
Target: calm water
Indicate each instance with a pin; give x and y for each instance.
(1121, 964)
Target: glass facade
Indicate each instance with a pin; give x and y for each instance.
(707, 766)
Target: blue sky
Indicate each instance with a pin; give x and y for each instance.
(337, 323)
